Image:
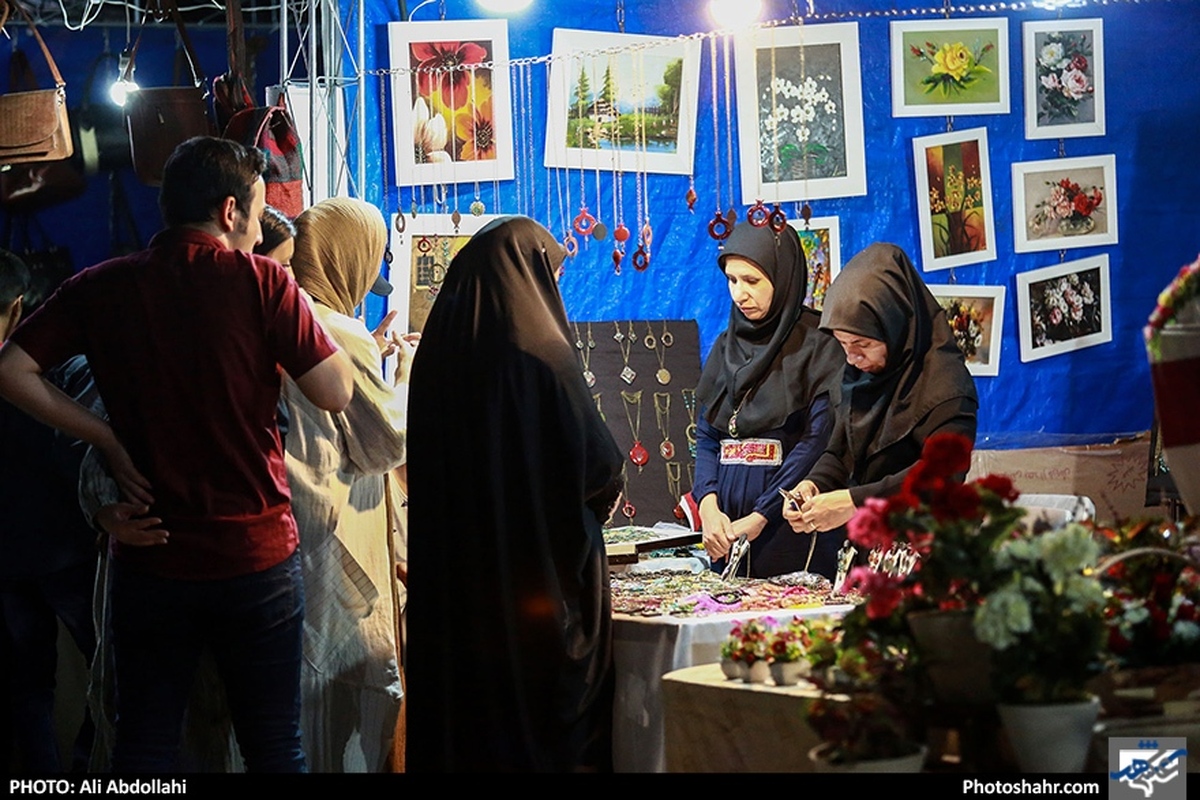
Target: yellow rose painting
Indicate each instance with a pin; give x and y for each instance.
(942, 66)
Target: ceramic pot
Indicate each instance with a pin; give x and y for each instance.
(732, 669)
(958, 664)
(1053, 737)
(758, 672)
(788, 673)
(909, 763)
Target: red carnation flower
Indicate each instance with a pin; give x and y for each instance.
(1080, 63)
(999, 485)
(868, 527)
(882, 592)
(959, 501)
(947, 454)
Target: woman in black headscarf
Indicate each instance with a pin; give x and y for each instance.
(511, 475)
(905, 380)
(764, 394)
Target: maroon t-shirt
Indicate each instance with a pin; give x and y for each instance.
(183, 339)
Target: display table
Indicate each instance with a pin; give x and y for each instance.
(647, 648)
(714, 724)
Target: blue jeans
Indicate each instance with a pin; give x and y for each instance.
(253, 625)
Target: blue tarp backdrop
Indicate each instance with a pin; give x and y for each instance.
(1153, 114)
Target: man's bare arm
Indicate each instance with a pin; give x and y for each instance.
(330, 384)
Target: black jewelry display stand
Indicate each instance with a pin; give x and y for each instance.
(647, 488)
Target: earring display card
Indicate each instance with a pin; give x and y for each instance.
(643, 383)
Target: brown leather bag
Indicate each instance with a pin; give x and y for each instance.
(30, 186)
(160, 119)
(35, 123)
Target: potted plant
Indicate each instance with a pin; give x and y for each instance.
(1152, 586)
(1045, 625)
(745, 653)
(860, 714)
(954, 529)
(794, 646)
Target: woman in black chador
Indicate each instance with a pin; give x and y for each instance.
(511, 475)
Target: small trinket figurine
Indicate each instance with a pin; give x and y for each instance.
(845, 559)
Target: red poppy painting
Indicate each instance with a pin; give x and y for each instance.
(452, 104)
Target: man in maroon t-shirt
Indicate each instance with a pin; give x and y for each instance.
(184, 338)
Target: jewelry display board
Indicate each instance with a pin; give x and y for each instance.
(644, 385)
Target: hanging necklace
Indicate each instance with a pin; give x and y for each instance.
(649, 341)
(689, 402)
(667, 338)
(731, 213)
(733, 417)
(599, 406)
(637, 454)
(585, 354)
(641, 256)
(663, 376)
(399, 223)
(626, 344)
(673, 475)
(718, 228)
(662, 417)
(627, 508)
(476, 207)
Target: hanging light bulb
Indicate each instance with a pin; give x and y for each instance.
(122, 86)
(504, 6)
(731, 14)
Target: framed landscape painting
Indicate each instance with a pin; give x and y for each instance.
(976, 315)
(1064, 78)
(1063, 308)
(821, 240)
(952, 66)
(799, 111)
(954, 199)
(451, 101)
(632, 109)
(1062, 203)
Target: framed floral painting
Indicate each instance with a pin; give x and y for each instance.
(976, 315)
(1064, 307)
(1064, 202)
(954, 199)
(953, 66)
(622, 101)
(799, 111)
(821, 239)
(451, 101)
(1064, 78)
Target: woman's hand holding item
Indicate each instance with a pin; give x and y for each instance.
(804, 491)
(718, 530)
(751, 525)
(824, 512)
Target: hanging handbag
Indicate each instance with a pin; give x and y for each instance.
(270, 129)
(35, 123)
(31, 186)
(160, 119)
